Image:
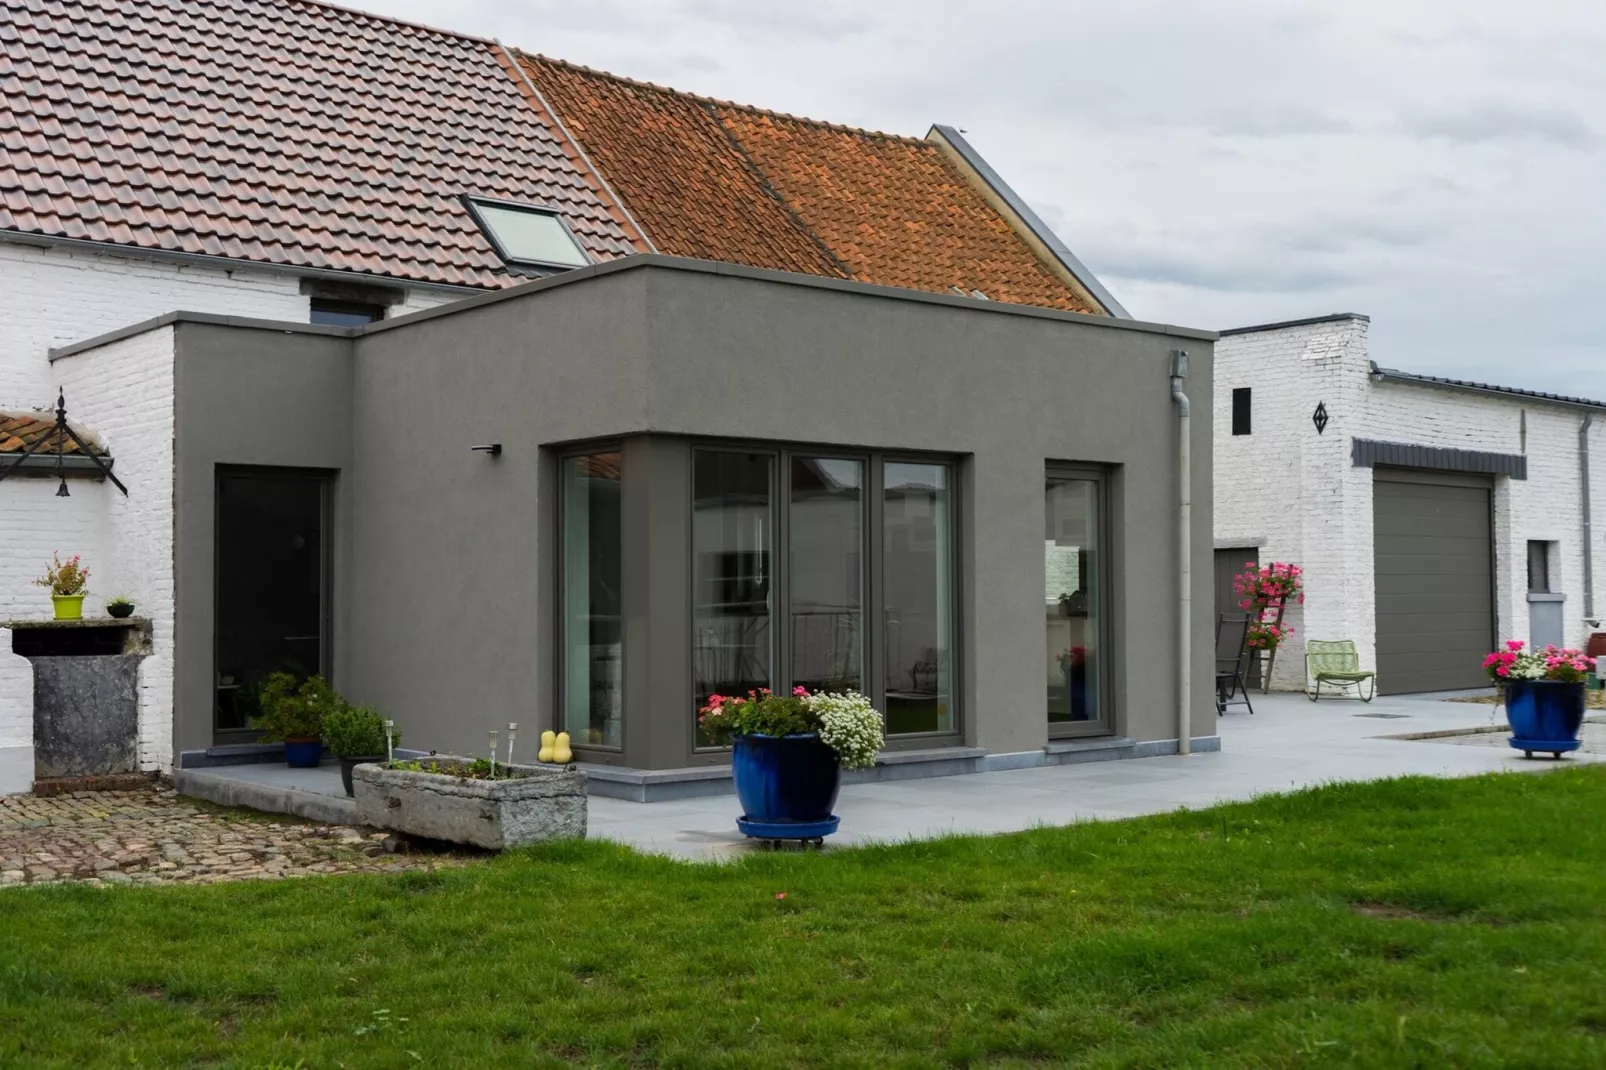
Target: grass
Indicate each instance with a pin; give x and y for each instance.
(1410, 923)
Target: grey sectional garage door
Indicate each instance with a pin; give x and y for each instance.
(1435, 581)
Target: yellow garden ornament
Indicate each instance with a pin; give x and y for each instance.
(548, 738)
(561, 753)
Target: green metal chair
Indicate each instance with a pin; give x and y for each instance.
(1334, 661)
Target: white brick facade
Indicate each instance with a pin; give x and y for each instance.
(1298, 496)
(122, 392)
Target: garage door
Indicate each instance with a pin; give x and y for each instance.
(1435, 581)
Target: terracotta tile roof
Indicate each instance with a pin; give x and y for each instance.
(728, 182)
(280, 131)
(19, 430)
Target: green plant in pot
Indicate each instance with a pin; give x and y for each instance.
(292, 711)
(121, 606)
(357, 734)
(66, 580)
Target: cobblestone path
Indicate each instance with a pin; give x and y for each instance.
(156, 837)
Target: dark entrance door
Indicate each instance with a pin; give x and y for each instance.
(1229, 563)
(271, 586)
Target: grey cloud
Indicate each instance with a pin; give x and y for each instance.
(782, 21)
(1497, 121)
(1277, 122)
(1207, 268)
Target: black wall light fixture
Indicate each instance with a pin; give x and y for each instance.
(494, 449)
(1319, 417)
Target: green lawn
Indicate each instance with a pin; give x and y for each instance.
(1409, 923)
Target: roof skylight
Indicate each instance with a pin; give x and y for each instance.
(528, 234)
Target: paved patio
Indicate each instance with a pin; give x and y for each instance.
(1288, 743)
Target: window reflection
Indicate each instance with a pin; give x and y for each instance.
(592, 626)
(1071, 599)
(731, 572)
(917, 582)
(826, 525)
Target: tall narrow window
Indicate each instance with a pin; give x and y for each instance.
(1538, 567)
(732, 579)
(1240, 410)
(826, 581)
(1073, 600)
(917, 594)
(592, 626)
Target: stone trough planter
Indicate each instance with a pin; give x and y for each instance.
(546, 802)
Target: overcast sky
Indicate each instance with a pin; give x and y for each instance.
(1439, 165)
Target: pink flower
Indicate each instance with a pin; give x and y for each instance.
(800, 691)
(1513, 644)
(1502, 671)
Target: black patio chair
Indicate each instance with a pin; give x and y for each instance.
(1232, 662)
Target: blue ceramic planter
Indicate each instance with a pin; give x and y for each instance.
(303, 753)
(1545, 715)
(787, 786)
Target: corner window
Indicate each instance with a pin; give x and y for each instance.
(345, 313)
(591, 707)
(1240, 410)
(862, 597)
(527, 234)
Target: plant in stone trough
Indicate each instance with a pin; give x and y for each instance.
(356, 732)
(295, 710)
(845, 721)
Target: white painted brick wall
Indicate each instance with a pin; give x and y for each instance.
(1299, 493)
(123, 393)
(52, 297)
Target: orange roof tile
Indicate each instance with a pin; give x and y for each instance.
(728, 182)
(19, 430)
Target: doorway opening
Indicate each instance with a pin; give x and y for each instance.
(271, 583)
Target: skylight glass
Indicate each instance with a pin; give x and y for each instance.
(528, 235)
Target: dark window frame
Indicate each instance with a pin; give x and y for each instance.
(473, 203)
(1242, 410)
(1544, 548)
(330, 306)
(560, 592)
(1108, 721)
(873, 579)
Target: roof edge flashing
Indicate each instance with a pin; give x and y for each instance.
(950, 138)
(661, 261)
(1465, 386)
(1309, 321)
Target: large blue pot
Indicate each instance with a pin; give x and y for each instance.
(1545, 715)
(303, 753)
(787, 786)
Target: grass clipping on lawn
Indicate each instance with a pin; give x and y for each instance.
(1413, 922)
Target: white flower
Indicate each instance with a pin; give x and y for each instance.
(850, 726)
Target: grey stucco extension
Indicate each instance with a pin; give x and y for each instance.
(683, 348)
(443, 570)
(250, 397)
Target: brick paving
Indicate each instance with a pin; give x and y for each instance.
(154, 836)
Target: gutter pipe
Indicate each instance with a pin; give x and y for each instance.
(1179, 372)
(1589, 556)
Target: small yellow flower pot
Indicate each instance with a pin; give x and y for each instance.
(69, 606)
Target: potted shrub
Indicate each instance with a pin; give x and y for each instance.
(66, 580)
(120, 607)
(1544, 695)
(356, 734)
(292, 711)
(788, 754)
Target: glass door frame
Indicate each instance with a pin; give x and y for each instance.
(325, 478)
(872, 556)
(1106, 722)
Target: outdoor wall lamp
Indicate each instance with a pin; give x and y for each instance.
(494, 449)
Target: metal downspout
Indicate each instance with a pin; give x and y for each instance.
(1179, 372)
(1589, 548)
